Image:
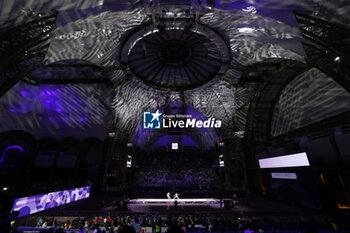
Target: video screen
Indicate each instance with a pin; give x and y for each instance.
(34, 204)
(221, 161)
(284, 175)
(294, 160)
(129, 161)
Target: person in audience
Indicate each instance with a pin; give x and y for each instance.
(54, 224)
(39, 223)
(197, 174)
(135, 225)
(209, 223)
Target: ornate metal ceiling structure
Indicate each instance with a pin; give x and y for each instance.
(22, 50)
(327, 45)
(177, 56)
(220, 59)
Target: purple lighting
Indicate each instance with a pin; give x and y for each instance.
(188, 141)
(8, 148)
(23, 93)
(165, 141)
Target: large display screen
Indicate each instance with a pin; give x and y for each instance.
(284, 175)
(129, 161)
(294, 160)
(221, 161)
(34, 204)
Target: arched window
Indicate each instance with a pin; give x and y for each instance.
(11, 155)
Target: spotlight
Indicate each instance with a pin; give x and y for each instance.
(337, 59)
(4, 188)
(174, 146)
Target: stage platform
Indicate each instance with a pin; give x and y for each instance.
(102, 204)
(163, 205)
(183, 201)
